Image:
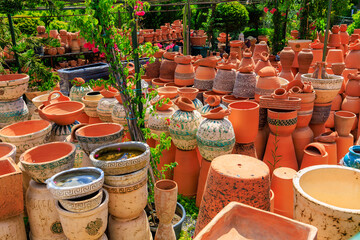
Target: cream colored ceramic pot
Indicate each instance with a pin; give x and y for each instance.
(13, 86)
(13, 228)
(105, 107)
(159, 121)
(327, 197)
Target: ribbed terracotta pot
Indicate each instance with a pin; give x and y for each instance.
(184, 71)
(330, 192)
(239, 178)
(314, 154)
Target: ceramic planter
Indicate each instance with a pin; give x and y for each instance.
(89, 225)
(8, 150)
(240, 221)
(328, 140)
(325, 197)
(13, 86)
(287, 56)
(159, 121)
(13, 228)
(43, 217)
(118, 114)
(353, 86)
(12, 203)
(245, 85)
(81, 158)
(91, 101)
(224, 81)
(105, 107)
(165, 194)
(123, 166)
(305, 58)
(352, 159)
(168, 66)
(59, 156)
(344, 121)
(78, 92)
(343, 143)
(267, 82)
(204, 77)
(95, 135)
(12, 112)
(27, 134)
(227, 99)
(184, 71)
(239, 178)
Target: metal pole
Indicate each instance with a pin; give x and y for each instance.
(12, 32)
(327, 31)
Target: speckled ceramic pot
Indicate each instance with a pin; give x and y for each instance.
(13, 86)
(13, 228)
(13, 111)
(27, 134)
(204, 77)
(81, 158)
(41, 210)
(91, 106)
(159, 121)
(215, 137)
(198, 104)
(183, 128)
(224, 81)
(105, 107)
(245, 85)
(326, 196)
(118, 114)
(78, 92)
(89, 225)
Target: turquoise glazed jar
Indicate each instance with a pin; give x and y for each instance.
(352, 158)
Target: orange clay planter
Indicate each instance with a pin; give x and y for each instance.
(343, 143)
(328, 140)
(281, 185)
(11, 197)
(240, 221)
(204, 170)
(344, 121)
(234, 177)
(63, 113)
(314, 154)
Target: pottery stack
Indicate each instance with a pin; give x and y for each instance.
(205, 73)
(40, 205)
(184, 124)
(12, 226)
(125, 166)
(81, 202)
(91, 101)
(12, 106)
(184, 71)
(106, 104)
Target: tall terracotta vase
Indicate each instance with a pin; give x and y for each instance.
(287, 56)
(354, 53)
(280, 150)
(305, 58)
(165, 194)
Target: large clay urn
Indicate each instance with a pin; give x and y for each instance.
(287, 56)
(353, 85)
(225, 78)
(267, 82)
(305, 58)
(168, 66)
(184, 71)
(353, 55)
(153, 69)
(165, 195)
(205, 73)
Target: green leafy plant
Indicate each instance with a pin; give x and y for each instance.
(355, 24)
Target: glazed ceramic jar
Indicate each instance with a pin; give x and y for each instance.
(13, 111)
(205, 73)
(168, 66)
(13, 86)
(184, 124)
(159, 120)
(267, 82)
(287, 56)
(352, 158)
(215, 136)
(329, 191)
(225, 79)
(184, 71)
(77, 92)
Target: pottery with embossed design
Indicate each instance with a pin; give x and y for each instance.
(159, 121)
(225, 78)
(13, 86)
(215, 136)
(12, 112)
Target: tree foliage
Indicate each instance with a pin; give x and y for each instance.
(230, 16)
(355, 24)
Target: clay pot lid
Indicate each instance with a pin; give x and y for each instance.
(247, 53)
(226, 66)
(213, 100)
(217, 113)
(315, 148)
(236, 43)
(338, 68)
(109, 93)
(63, 113)
(159, 53)
(188, 92)
(327, 137)
(268, 71)
(170, 92)
(185, 104)
(161, 101)
(171, 55)
(183, 59)
(354, 76)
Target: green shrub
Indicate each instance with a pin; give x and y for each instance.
(355, 24)
(261, 31)
(58, 25)
(27, 25)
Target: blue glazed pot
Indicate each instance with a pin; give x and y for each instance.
(352, 158)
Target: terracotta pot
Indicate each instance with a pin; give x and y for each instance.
(222, 142)
(343, 143)
(221, 226)
(336, 103)
(314, 154)
(25, 135)
(260, 142)
(282, 122)
(109, 93)
(344, 122)
(86, 225)
(93, 136)
(322, 189)
(267, 82)
(354, 53)
(263, 62)
(213, 101)
(244, 118)
(12, 112)
(12, 190)
(13, 86)
(281, 185)
(91, 105)
(247, 63)
(353, 85)
(259, 48)
(224, 81)
(8, 150)
(39, 166)
(165, 195)
(328, 140)
(245, 85)
(330, 122)
(41, 210)
(227, 99)
(153, 69)
(13, 228)
(105, 107)
(240, 178)
(301, 137)
(78, 92)
(169, 92)
(305, 58)
(168, 66)
(204, 77)
(351, 104)
(59, 98)
(159, 121)
(298, 45)
(184, 72)
(188, 92)
(189, 166)
(334, 56)
(204, 170)
(63, 113)
(287, 56)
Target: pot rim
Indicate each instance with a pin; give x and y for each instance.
(13, 149)
(77, 134)
(46, 129)
(345, 112)
(256, 105)
(300, 173)
(168, 181)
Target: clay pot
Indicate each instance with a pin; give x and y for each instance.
(168, 66)
(198, 40)
(322, 189)
(305, 58)
(63, 113)
(157, 82)
(334, 56)
(25, 135)
(213, 101)
(204, 75)
(13, 86)
(314, 154)
(86, 225)
(59, 156)
(165, 195)
(13, 228)
(259, 48)
(338, 68)
(247, 63)
(353, 85)
(352, 159)
(301, 137)
(344, 122)
(109, 93)
(343, 143)
(169, 92)
(7, 150)
(91, 101)
(263, 62)
(282, 122)
(224, 80)
(93, 136)
(282, 186)
(328, 140)
(354, 53)
(241, 113)
(78, 92)
(188, 92)
(184, 72)
(240, 178)
(287, 56)
(351, 104)
(227, 99)
(222, 225)
(41, 210)
(267, 82)
(12, 112)
(105, 107)
(336, 103)
(204, 170)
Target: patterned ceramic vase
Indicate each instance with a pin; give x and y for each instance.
(159, 121)
(13, 86)
(184, 124)
(60, 132)
(198, 104)
(12, 112)
(78, 92)
(105, 107)
(225, 79)
(215, 136)
(118, 114)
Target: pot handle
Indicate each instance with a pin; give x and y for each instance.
(74, 129)
(60, 97)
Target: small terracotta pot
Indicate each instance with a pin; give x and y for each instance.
(109, 93)
(185, 104)
(280, 93)
(328, 139)
(188, 92)
(344, 121)
(213, 101)
(169, 92)
(314, 154)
